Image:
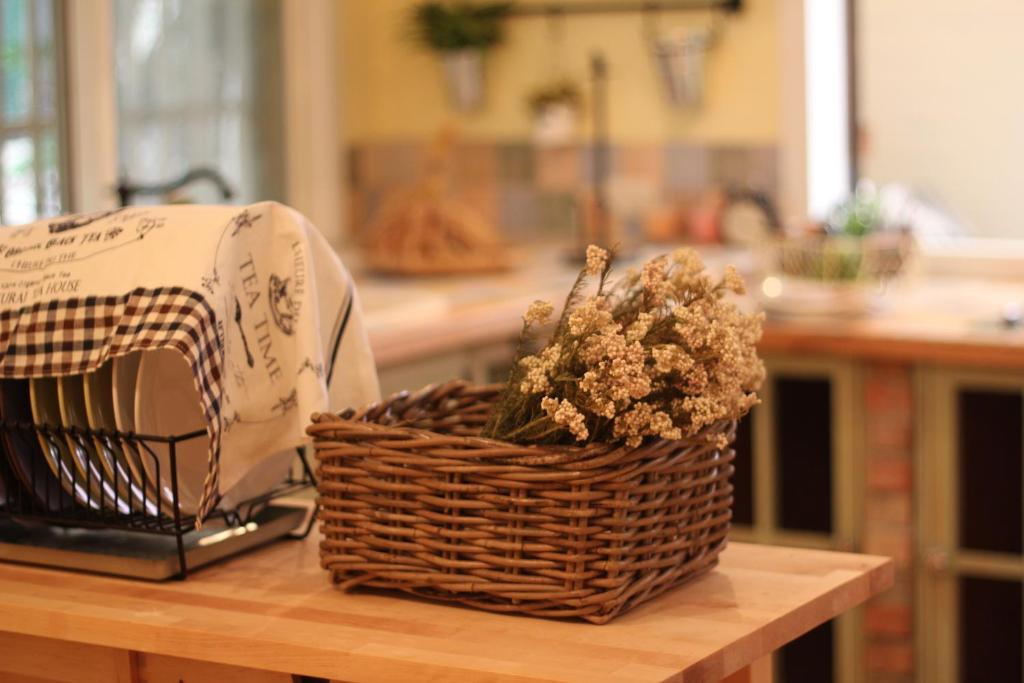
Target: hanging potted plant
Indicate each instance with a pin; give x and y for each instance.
(556, 112)
(461, 32)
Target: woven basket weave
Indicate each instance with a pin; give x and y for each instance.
(411, 499)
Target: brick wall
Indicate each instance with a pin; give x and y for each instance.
(888, 521)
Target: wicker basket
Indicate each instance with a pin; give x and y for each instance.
(411, 499)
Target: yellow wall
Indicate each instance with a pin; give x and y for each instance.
(392, 89)
(940, 104)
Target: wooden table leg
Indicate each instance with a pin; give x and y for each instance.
(759, 671)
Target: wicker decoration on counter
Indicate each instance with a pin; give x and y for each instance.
(841, 260)
(411, 499)
(422, 231)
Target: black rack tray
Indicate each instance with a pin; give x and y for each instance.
(146, 535)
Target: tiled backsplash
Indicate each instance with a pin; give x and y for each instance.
(530, 191)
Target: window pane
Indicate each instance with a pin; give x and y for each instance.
(17, 63)
(44, 23)
(31, 145)
(990, 630)
(49, 174)
(990, 450)
(45, 50)
(227, 119)
(16, 160)
(803, 446)
(46, 86)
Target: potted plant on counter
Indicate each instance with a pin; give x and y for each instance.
(461, 32)
(842, 266)
(556, 112)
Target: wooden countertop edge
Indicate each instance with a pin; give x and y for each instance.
(863, 587)
(179, 640)
(891, 348)
(394, 347)
(242, 651)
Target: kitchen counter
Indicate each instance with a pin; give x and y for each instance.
(946, 320)
(272, 613)
(416, 317)
(941, 321)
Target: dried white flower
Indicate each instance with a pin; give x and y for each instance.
(565, 413)
(597, 260)
(656, 287)
(538, 312)
(640, 327)
(687, 258)
(633, 424)
(661, 424)
(590, 316)
(670, 358)
(733, 281)
(539, 369)
(660, 354)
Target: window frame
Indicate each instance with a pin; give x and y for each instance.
(313, 153)
(815, 67)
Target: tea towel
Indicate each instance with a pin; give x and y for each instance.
(254, 297)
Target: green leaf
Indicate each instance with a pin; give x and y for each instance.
(459, 25)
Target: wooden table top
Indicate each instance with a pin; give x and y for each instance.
(274, 609)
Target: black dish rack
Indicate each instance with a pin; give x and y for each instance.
(147, 534)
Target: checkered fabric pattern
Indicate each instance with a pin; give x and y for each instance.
(74, 336)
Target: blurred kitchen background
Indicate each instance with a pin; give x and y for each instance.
(857, 159)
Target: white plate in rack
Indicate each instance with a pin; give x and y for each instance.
(99, 409)
(167, 403)
(124, 378)
(125, 373)
(71, 395)
(65, 463)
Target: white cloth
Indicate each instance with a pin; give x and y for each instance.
(253, 296)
